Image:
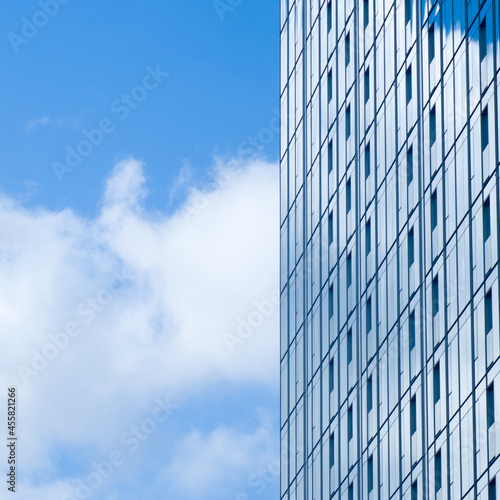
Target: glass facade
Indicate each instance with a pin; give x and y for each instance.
(390, 339)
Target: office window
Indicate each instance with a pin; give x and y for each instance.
(432, 125)
(331, 375)
(348, 195)
(484, 128)
(347, 49)
(330, 157)
(490, 404)
(486, 219)
(367, 160)
(329, 15)
(407, 11)
(413, 415)
(349, 270)
(437, 471)
(348, 122)
(437, 383)
(368, 237)
(366, 12)
(369, 315)
(435, 296)
(367, 85)
(330, 85)
(349, 424)
(330, 228)
(350, 492)
(369, 394)
(332, 450)
(488, 312)
(330, 302)
(412, 330)
(431, 43)
(482, 40)
(370, 473)
(409, 164)
(411, 247)
(492, 490)
(349, 346)
(414, 491)
(408, 85)
(434, 210)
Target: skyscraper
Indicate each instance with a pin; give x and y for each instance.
(390, 338)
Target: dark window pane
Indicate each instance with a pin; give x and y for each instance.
(484, 128)
(347, 49)
(409, 164)
(366, 12)
(411, 248)
(370, 473)
(330, 157)
(413, 415)
(331, 376)
(414, 491)
(408, 85)
(349, 423)
(330, 85)
(348, 122)
(434, 210)
(431, 43)
(486, 219)
(482, 40)
(332, 450)
(330, 301)
(368, 237)
(349, 270)
(369, 394)
(432, 124)
(412, 330)
(369, 315)
(492, 490)
(490, 404)
(329, 15)
(488, 312)
(367, 161)
(330, 228)
(437, 383)
(349, 346)
(348, 195)
(367, 85)
(437, 471)
(435, 296)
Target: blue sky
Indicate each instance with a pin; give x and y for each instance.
(139, 287)
(222, 88)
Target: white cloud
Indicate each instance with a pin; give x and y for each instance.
(184, 281)
(224, 460)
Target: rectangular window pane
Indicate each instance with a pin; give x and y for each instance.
(330, 302)
(368, 237)
(437, 383)
(488, 312)
(486, 219)
(331, 375)
(435, 296)
(482, 40)
(437, 471)
(367, 161)
(432, 124)
(484, 128)
(349, 346)
(367, 85)
(407, 11)
(413, 415)
(348, 195)
(414, 491)
(369, 315)
(330, 157)
(329, 15)
(348, 122)
(492, 490)
(434, 210)
(408, 85)
(412, 330)
(490, 403)
(349, 423)
(366, 12)
(330, 85)
(370, 473)
(332, 450)
(369, 394)
(431, 43)
(409, 164)
(347, 49)
(349, 270)
(330, 228)
(411, 248)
